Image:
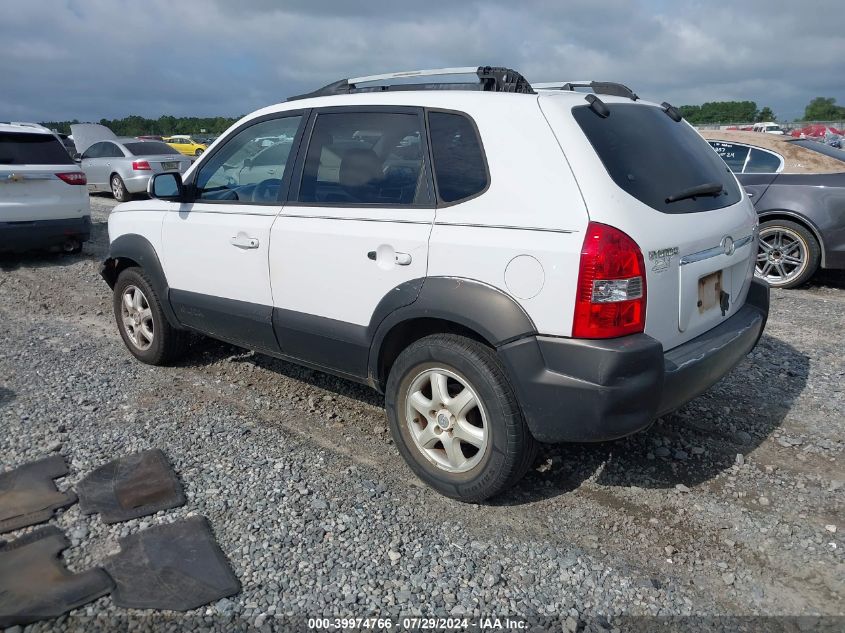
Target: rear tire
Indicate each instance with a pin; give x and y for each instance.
(118, 189)
(788, 254)
(455, 418)
(144, 328)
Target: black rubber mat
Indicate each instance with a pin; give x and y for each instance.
(178, 566)
(35, 585)
(28, 494)
(131, 487)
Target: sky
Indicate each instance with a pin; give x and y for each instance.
(93, 59)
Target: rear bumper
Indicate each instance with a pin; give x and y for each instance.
(575, 390)
(23, 236)
(138, 184)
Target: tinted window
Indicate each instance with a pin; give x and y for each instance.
(734, 155)
(149, 148)
(236, 173)
(94, 151)
(32, 149)
(762, 162)
(652, 157)
(821, 148)
(364, 158)
(112, 151)
(459, 166)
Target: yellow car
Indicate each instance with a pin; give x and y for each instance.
(185, 145)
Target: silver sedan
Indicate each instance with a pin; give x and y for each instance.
(124, 166)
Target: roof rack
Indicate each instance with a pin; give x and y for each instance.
(599, 87)
(490, 79)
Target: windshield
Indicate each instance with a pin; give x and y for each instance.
(654, 158)
(149, 148)
(21, 148)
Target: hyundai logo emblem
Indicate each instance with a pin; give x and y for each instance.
(727, 245)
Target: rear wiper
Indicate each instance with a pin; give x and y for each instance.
(707, 189)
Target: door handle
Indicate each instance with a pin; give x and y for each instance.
(403, 259)
(750, 194)
(243, 241)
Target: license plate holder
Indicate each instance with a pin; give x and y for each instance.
(171, 166)
(709, 291)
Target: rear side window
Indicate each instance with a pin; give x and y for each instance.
(32, 149)
(460, 169)
(734, 155)
(654, 158)
(371, 158)
(149, 148)
(763, 162)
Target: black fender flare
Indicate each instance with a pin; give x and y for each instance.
(138, 249)
(488, 311)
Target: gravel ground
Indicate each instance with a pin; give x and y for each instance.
(731, 506)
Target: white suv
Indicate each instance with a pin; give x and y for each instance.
(43, 197)
(507, 265)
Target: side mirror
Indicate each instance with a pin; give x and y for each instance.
(166, 186)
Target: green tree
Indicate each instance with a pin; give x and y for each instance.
(766, 114)
(823, 109)
(720, 112)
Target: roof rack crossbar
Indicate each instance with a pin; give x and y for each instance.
(490, 79)
(610, 88)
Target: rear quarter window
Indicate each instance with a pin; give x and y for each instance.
(652, 157)
(18, 148)
(460, 168)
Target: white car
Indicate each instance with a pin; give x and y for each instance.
(508, 266)
(43, 197)
(767, 128)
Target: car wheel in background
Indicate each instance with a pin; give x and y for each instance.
(141, 322)
(455, 418)
(788, 254)
(198, 152)
(118, 189)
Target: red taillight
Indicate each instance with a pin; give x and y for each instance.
(611, 295)
(73, 177)
(140, 165)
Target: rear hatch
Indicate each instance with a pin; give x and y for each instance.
(636, 168)
(30, 187)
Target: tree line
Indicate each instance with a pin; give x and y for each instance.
(165, 125)
(819, 109)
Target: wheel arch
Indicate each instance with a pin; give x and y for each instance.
(131, 250)
(445, 305)
(798, 218)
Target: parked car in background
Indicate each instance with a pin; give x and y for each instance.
(437, 245)
(767, 127)
(185, 145)
(123, 166)
(798, 190)
(43, 199)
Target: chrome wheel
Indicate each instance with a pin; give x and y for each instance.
(446, 420)
(781, 256)
(117, 188)
(137, 317)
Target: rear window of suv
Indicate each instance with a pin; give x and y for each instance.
(22, 148)
(653, 158)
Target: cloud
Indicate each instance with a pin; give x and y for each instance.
(90, 59)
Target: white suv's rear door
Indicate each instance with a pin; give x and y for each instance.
(30, 189)
(356, 228)
(637, 168)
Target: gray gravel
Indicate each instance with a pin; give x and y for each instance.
(733, 505)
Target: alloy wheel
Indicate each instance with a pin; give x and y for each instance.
(781, 256)
(137, 317)
(446, 420)
(117, 188)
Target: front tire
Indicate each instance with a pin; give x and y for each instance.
(788, 254)
(118, 189)
(455, 418)
(198, 152)
(144, 328)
